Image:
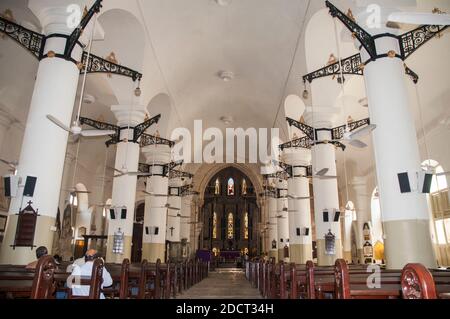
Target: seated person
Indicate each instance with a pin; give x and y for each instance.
(40, 252)
(86, 271)
(78, 262)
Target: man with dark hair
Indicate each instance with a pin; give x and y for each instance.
(40, 252)
(86, 271)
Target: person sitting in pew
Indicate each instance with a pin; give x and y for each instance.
(86, 271)
(78, 262)
(40, 252)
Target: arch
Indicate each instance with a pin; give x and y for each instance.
(439, 183)
(294, 108)
(161, 104)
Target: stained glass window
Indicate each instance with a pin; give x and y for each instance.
(230, 187)
(214, 230)
(246, 226)
(217, 187)
(244, 187)
(230, 226)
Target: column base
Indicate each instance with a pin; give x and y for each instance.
(43, 236)
(408, 241)
(116, 258)
(328, 260)
(153, 251)
(273, 254)
(300, 253)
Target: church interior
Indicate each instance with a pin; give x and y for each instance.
(162, 149)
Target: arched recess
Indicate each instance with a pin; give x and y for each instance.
(294, 108)
(126, 41)
(83, 216)
(439, 208)
(161, 104)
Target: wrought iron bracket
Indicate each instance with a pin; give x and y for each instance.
(303, 142)
(366, 40)
(335, 143)
(351, 65)
(148, 140)
(103, 126)
(171, 166)
(414, 77)
(32, 41)
(180, 174)
(337, 133)
(99, 65)
(270, 192)
(141, 128)
(411, 41)
(76, 34)
(308, 130)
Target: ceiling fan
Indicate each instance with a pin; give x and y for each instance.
(437, 17)
(299, 197)
(73, 190)
(155, 195)
(180, 216)
(76, 129)
(353, 138)
(12, 165)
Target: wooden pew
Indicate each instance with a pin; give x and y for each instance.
(95, 281)
(44, 279)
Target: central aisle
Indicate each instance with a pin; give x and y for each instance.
(223, 284)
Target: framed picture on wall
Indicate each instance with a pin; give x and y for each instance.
(4, 201)
(3, 220)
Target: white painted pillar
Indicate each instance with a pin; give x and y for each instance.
(300, 244)
(186, 203)
(154, 245)
(326, 194)
(44, 143)
(124, 187)
(282, 223)
(405, 216)
(347, 240)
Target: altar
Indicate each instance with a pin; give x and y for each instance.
(230, 255)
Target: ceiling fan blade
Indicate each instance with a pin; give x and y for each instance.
(362, 132)
(173, 208)
(297, 197)
(154, 195)
(322, 172)
(96, 133)
(59, 123)
(326, 177)
(443, 174)
(357, 144)
(420, 18)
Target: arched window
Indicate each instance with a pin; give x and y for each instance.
(244, 187)
(217, 187)
(230, 190)
(439, 183)
(246, 226)
(214, 230)
(230, 228)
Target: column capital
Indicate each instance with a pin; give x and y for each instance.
(322, 117)
(53, 14)
(129, 114)
(157, 154)
(297, 157)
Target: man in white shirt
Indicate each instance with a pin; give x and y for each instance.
(86, 271)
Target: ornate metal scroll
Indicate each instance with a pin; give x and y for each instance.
(351, 65)
(99, 65)
(308, 130)
(413, 40)
(414, 77)
(30, 40)
(180, 174)
(141, 128)
(362, 35)
(338, 132)
(148, 140)
(144, 168)
(304, 142)
(103, 126)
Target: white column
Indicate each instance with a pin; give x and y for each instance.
(185, 229)
(44, 144)
(154, 245)
(300, 246)
(282, 223)
(173, 230)
(326, 195)
(347, 240)
(405, 216)
(124, 187)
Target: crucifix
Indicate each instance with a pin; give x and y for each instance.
(171, 231)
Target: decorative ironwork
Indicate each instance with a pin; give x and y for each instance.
(99, 65)
(339, 132)
(115, 139)
(270, 191)
(148, 140)
(76, 34)
(304, 142)
(278, 175)
(30, 40)
(171, 166)
(144, 168)
(414, 77)
(141, 128)
(180, 174)
(187, 191)
(351, 65)
(288, 169)
(308, 130)
(413, 40)
(362, 35)
(335, 143)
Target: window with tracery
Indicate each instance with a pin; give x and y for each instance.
(230, 228)
(230, 190)
(214, 229)
(246, 226)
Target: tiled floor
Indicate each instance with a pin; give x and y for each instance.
(223, 284)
